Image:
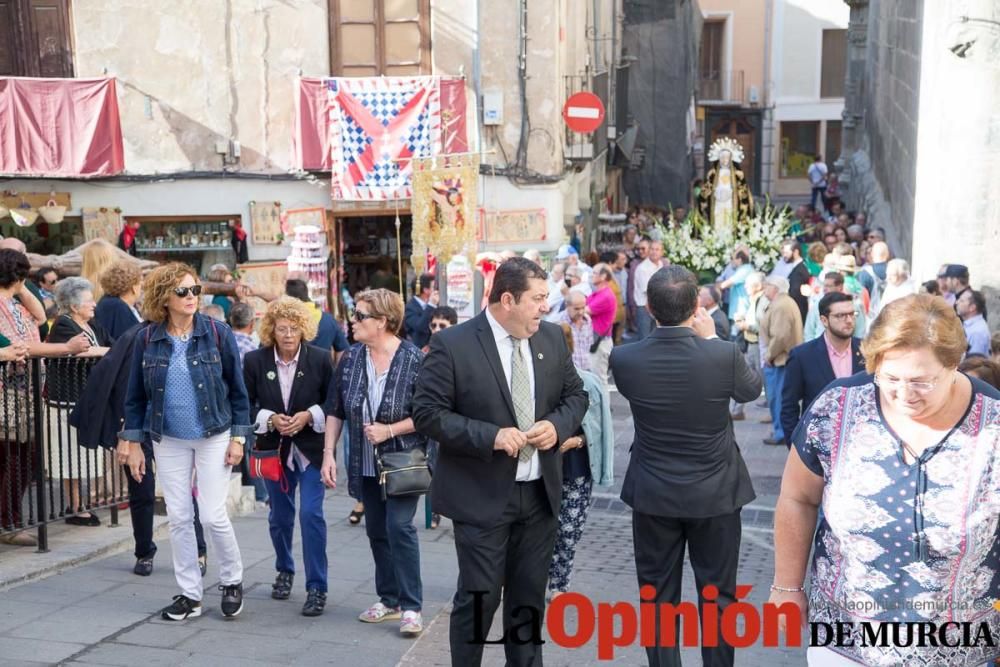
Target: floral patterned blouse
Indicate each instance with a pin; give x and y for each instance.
(899, 542)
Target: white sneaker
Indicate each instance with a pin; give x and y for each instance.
(377, 613)
(412, 624)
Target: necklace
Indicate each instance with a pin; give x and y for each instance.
(185, 335)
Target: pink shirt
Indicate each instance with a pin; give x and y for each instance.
(603, 306)
(840, 361)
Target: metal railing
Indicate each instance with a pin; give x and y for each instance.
(725, 86)
(46, 473)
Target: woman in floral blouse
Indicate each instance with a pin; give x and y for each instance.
(906, 465)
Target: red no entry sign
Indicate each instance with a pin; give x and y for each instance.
(583, 112)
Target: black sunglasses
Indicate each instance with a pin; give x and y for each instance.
(361, 317)
(184, 291)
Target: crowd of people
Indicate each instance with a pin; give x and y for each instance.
(512, 409)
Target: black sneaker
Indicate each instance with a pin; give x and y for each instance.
(281, 589)
(143, 566)
(315, 603)
(232, 599)
(183, 607)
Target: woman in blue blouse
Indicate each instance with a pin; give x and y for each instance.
(186, 393)
(373, 392)
(904, 463)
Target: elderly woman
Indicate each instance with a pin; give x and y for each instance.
(66, 460)
(287, 382)
(20, 316)
(373, 392)
(904, 464)
(186, 393)
(116, 311)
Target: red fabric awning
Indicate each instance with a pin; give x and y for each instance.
(60, 128)
(311, 138)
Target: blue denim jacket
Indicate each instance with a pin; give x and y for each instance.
(216, 372)
(599, 429)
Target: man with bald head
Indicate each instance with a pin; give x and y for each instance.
(580, 324)
(11, 243)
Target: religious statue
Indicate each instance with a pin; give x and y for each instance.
(725, 199)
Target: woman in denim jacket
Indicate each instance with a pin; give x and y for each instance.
(186, 393)
(372, 390)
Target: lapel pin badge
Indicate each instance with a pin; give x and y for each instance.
(541, 356)
(300, 374)
(270, 375)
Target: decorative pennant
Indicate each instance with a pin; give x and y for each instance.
(444, 206)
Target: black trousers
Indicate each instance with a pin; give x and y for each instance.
(513, 554)
(141, 501)
(714, 547)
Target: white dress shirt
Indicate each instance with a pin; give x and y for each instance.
(529, 470)
(643, 273)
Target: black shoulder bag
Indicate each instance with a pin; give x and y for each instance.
(403, 473)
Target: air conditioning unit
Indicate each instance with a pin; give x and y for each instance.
(753, 96)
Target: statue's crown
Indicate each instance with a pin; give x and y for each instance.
(725, 144)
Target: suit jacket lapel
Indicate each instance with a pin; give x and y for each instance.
(857, 360)
(538, 364)
(824, 360)
(300, 370)
(272, 390)
(488, 343)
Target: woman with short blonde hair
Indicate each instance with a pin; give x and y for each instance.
(904, 464)
(287, 382)
(373, 392)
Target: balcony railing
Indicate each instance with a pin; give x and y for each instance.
(722, 86)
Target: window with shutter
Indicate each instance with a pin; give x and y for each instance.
(834, 63)
(35, 38)
(380, 37)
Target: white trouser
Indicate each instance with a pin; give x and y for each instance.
(175, 461)
(599, 359)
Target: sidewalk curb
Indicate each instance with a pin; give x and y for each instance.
(112, 548)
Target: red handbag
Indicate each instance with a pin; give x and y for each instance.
(267, 465)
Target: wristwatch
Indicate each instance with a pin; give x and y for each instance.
(238, 439)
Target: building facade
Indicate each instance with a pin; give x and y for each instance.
(921, 133)
(207, 98)
(771, 74)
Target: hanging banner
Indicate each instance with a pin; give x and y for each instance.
(443, 206)
(376, 125)
(514, 226)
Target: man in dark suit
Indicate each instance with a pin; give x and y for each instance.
(812, 366)
(798, 275)
(417, 315)
(686, 480)
(500, 393)
(709, 298)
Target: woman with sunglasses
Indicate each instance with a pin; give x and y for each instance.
(904, 462)
(186, 393)
(373, 391)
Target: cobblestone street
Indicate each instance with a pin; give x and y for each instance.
(99, 613)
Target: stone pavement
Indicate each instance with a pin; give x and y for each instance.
(100, 613)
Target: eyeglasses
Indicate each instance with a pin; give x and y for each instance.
(435, 326)
(895, 384)
(361, 317)
(287, 331)
(841, 316)
(184, 291)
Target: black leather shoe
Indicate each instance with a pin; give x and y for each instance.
(315, 603)
(773, 441)
(281, 589)
(232, 599)
(143, 566)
